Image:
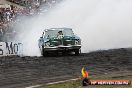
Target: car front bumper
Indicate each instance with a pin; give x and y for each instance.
(61, 48)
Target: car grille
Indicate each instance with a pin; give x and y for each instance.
(68, 42)
(63, 42)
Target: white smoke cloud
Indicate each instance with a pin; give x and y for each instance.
(101, 24)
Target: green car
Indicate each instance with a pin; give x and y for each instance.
(59, 40)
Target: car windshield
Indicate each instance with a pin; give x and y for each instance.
(54, 32)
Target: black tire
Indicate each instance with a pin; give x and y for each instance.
(77, 51)
(43, 52)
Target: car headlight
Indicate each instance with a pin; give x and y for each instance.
(77, 42)
(47, 44)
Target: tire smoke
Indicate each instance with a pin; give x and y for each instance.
(101, 24)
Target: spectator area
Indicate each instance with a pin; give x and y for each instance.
(11, 9)
(8, 13)
(3, 2)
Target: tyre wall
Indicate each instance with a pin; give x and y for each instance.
(10, 48)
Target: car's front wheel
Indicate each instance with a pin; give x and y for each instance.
(77, 51)
(43, 52)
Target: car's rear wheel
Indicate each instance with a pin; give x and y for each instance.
(77, 51)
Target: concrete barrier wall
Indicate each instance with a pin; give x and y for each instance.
(10, 48)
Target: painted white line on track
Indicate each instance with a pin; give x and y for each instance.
(35, 86)
(61, 81)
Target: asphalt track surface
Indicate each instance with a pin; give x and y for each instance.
(19, 72)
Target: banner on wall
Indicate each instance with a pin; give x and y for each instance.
(10, 48)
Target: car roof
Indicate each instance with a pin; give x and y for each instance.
(58, 29)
